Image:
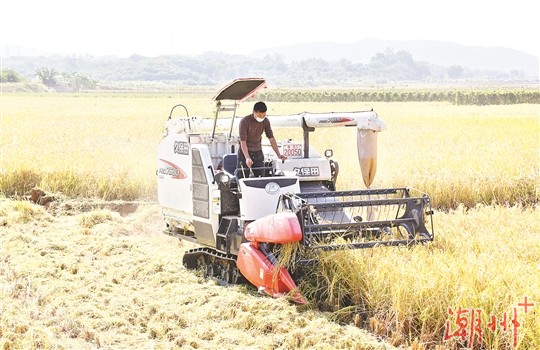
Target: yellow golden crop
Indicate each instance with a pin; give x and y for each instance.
(479, 164)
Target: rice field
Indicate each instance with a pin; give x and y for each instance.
(479, 164)
(105, 146)
(85, 274)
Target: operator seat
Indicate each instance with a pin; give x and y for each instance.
(230, 161)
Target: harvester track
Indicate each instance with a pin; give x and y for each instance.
(215, 264)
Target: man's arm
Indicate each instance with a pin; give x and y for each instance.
(276, 148)
(249, 161)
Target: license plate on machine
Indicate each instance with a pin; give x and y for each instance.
(292, 149)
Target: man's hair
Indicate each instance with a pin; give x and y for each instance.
(259, 107)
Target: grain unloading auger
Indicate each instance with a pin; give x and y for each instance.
(241, 223)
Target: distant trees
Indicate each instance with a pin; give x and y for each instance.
(299, 76)
(10, 76)
(465, 96)
(213, 68)
(79, 81)
(47, 76)
(455, 72)
(397, 66)
(66, 81)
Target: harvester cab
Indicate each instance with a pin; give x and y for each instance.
(239, 221)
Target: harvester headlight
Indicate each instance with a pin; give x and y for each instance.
(328, 153)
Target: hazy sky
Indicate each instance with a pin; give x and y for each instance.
(151, 28)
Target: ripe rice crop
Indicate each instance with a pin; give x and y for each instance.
(479, 164)
(105, 146)
(484, 258)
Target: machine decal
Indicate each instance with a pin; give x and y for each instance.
(172, 170)
(181, 147)
(292, 149)
(272, 188)
(336, 120)
(307, 171)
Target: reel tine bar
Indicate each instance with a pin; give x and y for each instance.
(362, 218)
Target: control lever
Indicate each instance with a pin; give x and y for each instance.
(243, 172)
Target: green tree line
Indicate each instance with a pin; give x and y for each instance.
(455, 96)
(51, 78)
(214, 69)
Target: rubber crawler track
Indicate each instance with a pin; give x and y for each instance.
(215, 264)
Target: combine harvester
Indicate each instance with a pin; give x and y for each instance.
(241, 221)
